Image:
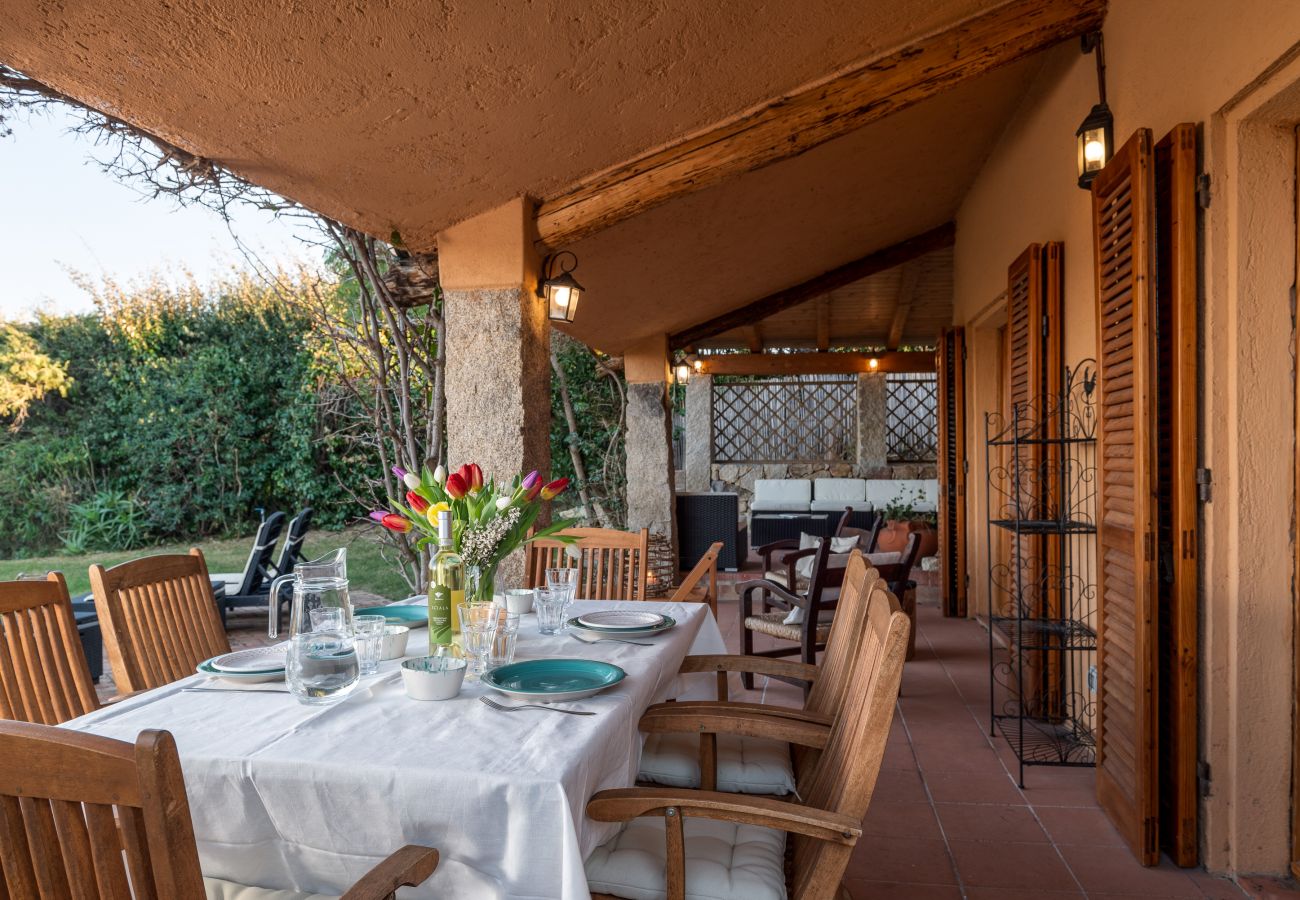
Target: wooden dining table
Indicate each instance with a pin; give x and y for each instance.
(308, 798)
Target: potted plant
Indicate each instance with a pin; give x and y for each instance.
(901, 519)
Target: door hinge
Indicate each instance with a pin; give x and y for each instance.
(1203, 779)
(1203, 190)
(1205, 485)
(965, 466)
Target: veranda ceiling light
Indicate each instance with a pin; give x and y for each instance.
(561, 291)
(873, 364)
(1096, 135)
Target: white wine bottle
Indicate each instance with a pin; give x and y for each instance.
(446, 586)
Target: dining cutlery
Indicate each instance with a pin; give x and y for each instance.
(501, 707)
(611, 641)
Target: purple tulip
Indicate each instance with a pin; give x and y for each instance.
(530, 479)
(378, 514)
(399, 472)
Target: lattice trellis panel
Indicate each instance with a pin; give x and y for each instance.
(785, 421)
(911, 423)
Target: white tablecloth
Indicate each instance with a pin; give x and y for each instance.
(291, 796)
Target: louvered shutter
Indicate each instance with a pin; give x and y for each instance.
(1122, 213)
(950, 364)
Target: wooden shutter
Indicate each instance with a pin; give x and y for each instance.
(1122, 216)
(951, 366)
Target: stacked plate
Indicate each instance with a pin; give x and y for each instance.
(551, 680)
(620, 624)
(252, 666)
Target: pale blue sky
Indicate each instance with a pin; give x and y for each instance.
(59, 214)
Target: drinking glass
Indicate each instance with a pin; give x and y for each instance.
(322, 667)
(502, 652)
(326, 618)
(551, 605)
(478, 627)
(563, 579)
(369, 634)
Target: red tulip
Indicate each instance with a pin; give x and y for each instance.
(530, 494)
(416, 502)
(555, 488)
(456, 486)
(394, 522)
(475, 480)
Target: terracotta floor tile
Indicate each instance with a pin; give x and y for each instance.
(989, 822)
(906, 820)
(974, 892)
(899, 786)
(900, 859)
(1028, 866)
(973, 787)
(1078, 826)
(885, 890)
(1215, 887)
(1113, 870)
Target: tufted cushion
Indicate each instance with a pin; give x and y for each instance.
(219, 889)
(745, 765)
(724, 861)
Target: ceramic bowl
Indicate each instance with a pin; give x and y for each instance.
(394, 642)
(433, 677)
(519, 602)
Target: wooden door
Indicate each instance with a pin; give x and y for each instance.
(951, 366)
(1123, 222)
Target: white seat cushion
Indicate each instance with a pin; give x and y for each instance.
(848, 490)
(724, 861)
(745, 765)
(232, 579)
(219, 889)
(782, 494)
(838, 505)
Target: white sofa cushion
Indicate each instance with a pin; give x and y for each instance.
(922, 492)
(838, 505)
(724, 861)
(847, 489)
(745, 765)
(219, 889)
(781, 495)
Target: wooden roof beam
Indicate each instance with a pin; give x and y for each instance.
(754, 338)
(815, 363)
(814, 114)
(888, 258)
(910, 275)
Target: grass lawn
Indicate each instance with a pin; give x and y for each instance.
(367, 570)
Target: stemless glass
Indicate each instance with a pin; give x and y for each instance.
(551, 605)
(326, 618)
(369, 633)
(563, 579)
(478, 627)
(502, 652)
(322, 667)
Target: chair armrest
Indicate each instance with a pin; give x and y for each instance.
(407, 867)
(767, 550)
(717, 719)
(762, 709)
(773, 591)
(624, 804)
(756, 665)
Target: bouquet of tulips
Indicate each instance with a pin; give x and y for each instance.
(488, 521)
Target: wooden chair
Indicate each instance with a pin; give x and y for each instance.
(678, 736)
(159, 618)
(822, 829)
(613, 565)
(88, 816)
(44, 677)
(782, 558)
(701, 584)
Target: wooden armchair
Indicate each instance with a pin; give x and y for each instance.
(701, 584)
(822, 829)
(781, 559)
(158, 617)
(44, 677)
(612, 565)
(88, 816)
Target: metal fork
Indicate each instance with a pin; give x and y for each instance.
(611, 641)
(501, 707)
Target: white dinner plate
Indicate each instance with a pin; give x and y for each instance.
(251, 661)
(205, 668)
(593, 634)
(620, 620)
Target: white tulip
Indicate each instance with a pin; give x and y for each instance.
(440, 474)
(503, 502)
(411, 480)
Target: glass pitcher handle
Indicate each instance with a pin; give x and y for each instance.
(273, 602)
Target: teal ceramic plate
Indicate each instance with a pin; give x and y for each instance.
(554, 679)
(592, 632)
(206, 668)
(410, 616)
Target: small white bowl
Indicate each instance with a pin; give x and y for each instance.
(519, 602)
(425, 681)
(393, 644)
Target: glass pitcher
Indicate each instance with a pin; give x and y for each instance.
(320, 582)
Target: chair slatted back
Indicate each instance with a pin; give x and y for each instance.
(86, 816)
(845, 776)
(257, 568)
(848, 629)
(291, 551)
(701, 584)
(612, 564)
(897, 574)
(158, 617)
(44, 677)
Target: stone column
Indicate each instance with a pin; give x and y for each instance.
(498, 350)
(873, 459)
(650, 457)
(698, 464)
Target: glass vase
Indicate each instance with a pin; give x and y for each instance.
(480, 583)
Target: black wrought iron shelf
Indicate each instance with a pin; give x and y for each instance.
(1038, 442)
(1045, 526)
(1042, 742)
(1046, 634)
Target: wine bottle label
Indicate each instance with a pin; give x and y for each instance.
(440, 607)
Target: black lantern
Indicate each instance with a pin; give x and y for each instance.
(561, 291)
(1095, 137)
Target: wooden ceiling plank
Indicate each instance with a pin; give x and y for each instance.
(888, 258)
(824, 324)
(815, 363)
(814, 114)
(911, 274)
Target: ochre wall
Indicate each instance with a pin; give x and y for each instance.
(1170, 62)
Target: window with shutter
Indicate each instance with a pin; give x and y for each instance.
(1123, 222)
(950, 365)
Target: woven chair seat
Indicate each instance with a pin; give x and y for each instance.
(772, 624)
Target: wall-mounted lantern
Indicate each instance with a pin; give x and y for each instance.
(873, 364)
(683, 372)
(1096, 135)
(561, 291)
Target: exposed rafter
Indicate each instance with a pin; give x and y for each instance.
(911, 274)
(754, 338)
(814, 363)
(814, 114)
(905, 251)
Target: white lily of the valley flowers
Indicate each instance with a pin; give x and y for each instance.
(503, 502)
(440, 474)
(411, 480)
